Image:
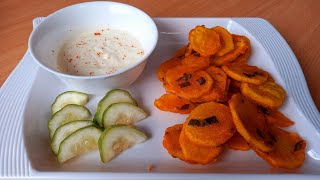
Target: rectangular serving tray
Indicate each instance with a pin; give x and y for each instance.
(26, 97)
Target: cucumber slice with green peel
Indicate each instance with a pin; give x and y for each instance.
(113, 96)
(81, 141)
(118, 138)
(65, 130)
(71, 112)
(69, 97)
(122, 113)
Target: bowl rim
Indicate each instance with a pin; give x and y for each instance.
(99, 76)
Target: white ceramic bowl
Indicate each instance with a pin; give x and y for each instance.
(48, 37)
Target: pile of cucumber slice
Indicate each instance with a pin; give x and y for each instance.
(72, 132)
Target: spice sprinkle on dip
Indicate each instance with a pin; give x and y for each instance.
(105, 51)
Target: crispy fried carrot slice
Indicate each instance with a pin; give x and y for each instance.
(187, 83)
(218, 92)
(164, 67)
(171, 142)
(250, 123)
(227, 44)
(275, 117)
(204, 41)
(181, 52)
(173, 103)
(168, 88)
(219, 77)
(189, 51)
(246, 73)
(209, 124)
(197, 153)
(214, 95)
(195, 62)
(289, 151)
(243, 58)
(269, 94)
(240, 48)
(237, 142)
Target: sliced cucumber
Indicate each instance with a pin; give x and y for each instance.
(122, 113)
(65, 130)
(79, 142)
(71, 112)
(113, 96)
(118, 138)
(69, 97)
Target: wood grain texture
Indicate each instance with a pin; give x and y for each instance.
(297, 20)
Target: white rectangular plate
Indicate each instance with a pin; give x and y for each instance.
(27, 95)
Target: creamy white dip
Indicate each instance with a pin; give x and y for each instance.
(99, 52)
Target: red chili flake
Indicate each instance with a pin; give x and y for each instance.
(77, 56)
(70, 60)
(98, 54)
(97, 34)
(91, 73)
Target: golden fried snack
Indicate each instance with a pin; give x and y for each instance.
(197, 153)
(173, 103)
(237, 142)
(275, 117)
(204, 41)
(227, 44)
(218, 92)
(243, 58)
(168, 88)
(269, 94)
(250, 123)
(195, 62)
(219, 77)
(187, 83)
(209, 124)
(213, 95)
(240, 47)
(171, 142)
(246, 73)
(181, 52)
(289, 150)
(189, 50)
(164, 67)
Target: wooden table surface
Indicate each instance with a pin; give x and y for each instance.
(297, 20)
